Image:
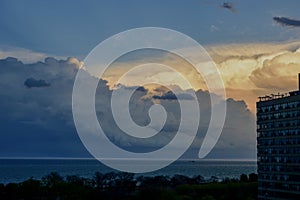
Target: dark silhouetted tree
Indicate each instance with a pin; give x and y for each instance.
(54, 185)
(253, 177)
(99, 180)
(30, 189)
(52, 179)
(244, 178)
(181, 179)
(198, 179)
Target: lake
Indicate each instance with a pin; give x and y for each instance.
(18, 170)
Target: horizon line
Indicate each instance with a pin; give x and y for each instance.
(92, 158)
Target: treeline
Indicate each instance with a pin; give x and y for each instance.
(126, 186)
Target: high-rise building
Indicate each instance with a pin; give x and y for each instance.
(278, 146)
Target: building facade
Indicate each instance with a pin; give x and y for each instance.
(278, 146)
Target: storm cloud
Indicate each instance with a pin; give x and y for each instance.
(171, 96)
(39, 122)
(31, 82)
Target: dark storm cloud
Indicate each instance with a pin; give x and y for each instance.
(171, 96)
(40, 123)
(31, 82)
(285, 21)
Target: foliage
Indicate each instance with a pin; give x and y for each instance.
(126, 186)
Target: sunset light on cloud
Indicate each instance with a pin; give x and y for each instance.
(253, 44)
(252, 70)
(248, 70)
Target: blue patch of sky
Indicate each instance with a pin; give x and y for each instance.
(73, 28)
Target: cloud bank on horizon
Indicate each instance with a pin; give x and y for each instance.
(36, 101)
(37, 121)
(248, 70)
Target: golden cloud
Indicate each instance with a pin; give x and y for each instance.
(251, 70)
(248, 70)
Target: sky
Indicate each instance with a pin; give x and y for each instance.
(48, 40)
(73, 28)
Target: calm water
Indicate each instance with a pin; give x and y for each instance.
(17, 170)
